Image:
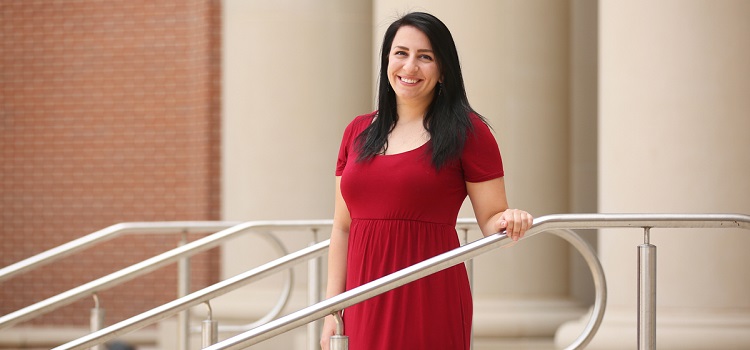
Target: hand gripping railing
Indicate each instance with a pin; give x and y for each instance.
(546, 223)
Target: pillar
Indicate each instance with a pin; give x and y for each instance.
(295, 73)
(673, 127)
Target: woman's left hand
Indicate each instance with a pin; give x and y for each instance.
(514, 222)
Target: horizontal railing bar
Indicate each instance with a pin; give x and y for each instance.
(468, 251)
(598, 221)
(196, 298)
(149, 265)
(107, 234)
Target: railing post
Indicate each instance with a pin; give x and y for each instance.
(183, 289)
(209, 330)
(313, 294)
(646, 293)
(339, 341)
(96, 319)
(470, 272)
(470, 262)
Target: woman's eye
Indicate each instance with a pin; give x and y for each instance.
(400, 53)
(426, 57)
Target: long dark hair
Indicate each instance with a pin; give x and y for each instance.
(448, 116)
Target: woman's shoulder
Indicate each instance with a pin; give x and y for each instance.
(361, 122)
(479, 123)
(358, 124)
(365, 118)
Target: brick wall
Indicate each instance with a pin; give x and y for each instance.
(109, 112)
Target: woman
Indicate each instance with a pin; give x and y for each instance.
(402, 174)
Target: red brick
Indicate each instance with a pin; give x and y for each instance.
(110, 113)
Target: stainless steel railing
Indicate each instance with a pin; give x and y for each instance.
(196, 298)
(646, 266)
(546, 223)
(108, 233)
(402, 277)
(89, 241)
(205, 295)
(178, 254)
(336, 304)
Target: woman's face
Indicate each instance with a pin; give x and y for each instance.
(413, 70)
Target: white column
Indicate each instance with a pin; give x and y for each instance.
(294, 74)
(673, 137)
(515, 59)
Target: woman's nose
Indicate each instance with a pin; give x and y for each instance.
(411, 65)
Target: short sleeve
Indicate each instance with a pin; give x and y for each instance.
(344, 150)
(347, 141)
(480, 159)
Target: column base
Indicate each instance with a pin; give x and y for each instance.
(675, 329)
(518, 318)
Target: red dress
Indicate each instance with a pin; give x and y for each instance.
(404, 211)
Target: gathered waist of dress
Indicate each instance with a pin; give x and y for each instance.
(448, 224)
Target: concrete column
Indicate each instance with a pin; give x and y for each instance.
(515, 59)
(583, 134)
(674, 122)
(295, 73)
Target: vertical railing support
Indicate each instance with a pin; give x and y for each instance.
(339, 341)
(209, 329)
(470, 262)
(470, 272)
(313, 294)
(96, 319)
(646, 293)
(183, 289)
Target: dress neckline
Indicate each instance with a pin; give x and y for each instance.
(405, 152)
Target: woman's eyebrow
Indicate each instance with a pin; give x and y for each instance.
(407, 49)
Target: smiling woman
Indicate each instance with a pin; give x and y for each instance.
(402, 174)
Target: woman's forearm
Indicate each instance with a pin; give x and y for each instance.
(337, 262)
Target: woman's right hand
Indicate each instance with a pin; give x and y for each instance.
(329, 329)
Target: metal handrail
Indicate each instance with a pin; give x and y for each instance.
(545, 223)
(550, 222)
(149, 265)
(412, 273)
(211, 292)
(196, 298)
(108, 233)
(448, 259)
